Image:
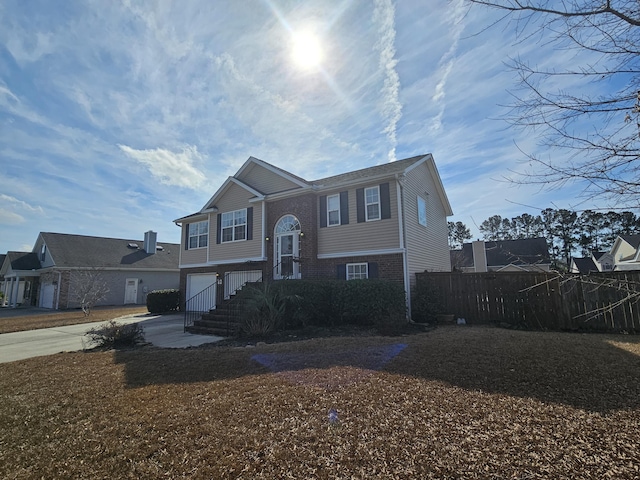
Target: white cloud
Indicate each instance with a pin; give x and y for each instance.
(384, 18)
(10, 218)
(169, 167)
(7, 199)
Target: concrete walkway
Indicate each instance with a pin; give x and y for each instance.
(164, 331)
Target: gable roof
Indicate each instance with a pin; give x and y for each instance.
(80, 251)
(390, 168)
(633, 240)
(585, 264)
(22, 261)
(525, 251)
(363, 174)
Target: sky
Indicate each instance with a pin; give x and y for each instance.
(118, 117)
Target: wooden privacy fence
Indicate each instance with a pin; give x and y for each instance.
(603, 302)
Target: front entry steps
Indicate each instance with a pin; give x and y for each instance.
(223, 321)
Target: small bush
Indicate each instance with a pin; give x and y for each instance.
(264, 308)
(116, 335)
(426, 303)
(160, 301)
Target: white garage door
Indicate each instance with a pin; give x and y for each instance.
(198, 283)
(46, 295)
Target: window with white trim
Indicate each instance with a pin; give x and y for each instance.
(333, 210)
(422, 211)
(198, 234)
(357, 271)
(372, 203)
(234, 226)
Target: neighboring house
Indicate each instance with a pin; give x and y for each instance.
(625, 252)
(597, 262)
(387, 221)
(48, 276)
(17, 271)
(529, 254)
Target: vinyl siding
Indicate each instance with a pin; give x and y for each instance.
(427, 247)
(365, 236)
(265, 181)
(196, 256)
(236, 198)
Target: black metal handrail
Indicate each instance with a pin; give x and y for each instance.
(223, 291)
(200, 303)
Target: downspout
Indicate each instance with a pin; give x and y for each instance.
(59, 288)
(264, 230)
(403, 241)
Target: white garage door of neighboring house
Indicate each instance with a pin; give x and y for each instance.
(197, 283)
(131, 291)
(46, 295)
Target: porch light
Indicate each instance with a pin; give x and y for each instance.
(266, 239)
(302, 234)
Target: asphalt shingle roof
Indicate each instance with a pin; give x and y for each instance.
(585, 264)
(389, 168)
(82, 251)
(527, 251)
(23, 261)
(633, 240)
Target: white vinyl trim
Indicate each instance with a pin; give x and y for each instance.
(360, 253)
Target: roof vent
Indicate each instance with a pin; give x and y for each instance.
(159, 247)
(133, 245)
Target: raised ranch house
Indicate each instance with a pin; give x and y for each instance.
(49, 275)
(264, 223)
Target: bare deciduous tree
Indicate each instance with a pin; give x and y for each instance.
(601, 131)
(88, 287)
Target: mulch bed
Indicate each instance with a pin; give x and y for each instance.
(453, 403)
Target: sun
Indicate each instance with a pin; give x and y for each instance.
(307, 52)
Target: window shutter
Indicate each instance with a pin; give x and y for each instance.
(219, 228)
(360, 204)
(250, 223)
(323, 211)
(385, 201)
(186, 236)
(342, 271)
(373, 270)
(344, 208)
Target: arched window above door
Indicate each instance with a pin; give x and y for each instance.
(286, 224)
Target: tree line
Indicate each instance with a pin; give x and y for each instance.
(566, 231)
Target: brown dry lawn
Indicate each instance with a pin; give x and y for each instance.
(68, 317)
(454, 403)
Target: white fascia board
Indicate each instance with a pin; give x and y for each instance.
(198, 216)
(193, 265)
(266, 166)
(224, 186)
(360, 253)
(439, 186)
(236, 260)
(355, 183)
(286, 194)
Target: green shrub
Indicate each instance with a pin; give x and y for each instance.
(337, 302)
(160, 301)
(264, 307)
(116, 335)
(426, 302)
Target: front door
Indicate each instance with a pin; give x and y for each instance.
(287, 265)
(131, 291)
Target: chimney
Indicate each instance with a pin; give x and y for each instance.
(150, 238)
(479, 256)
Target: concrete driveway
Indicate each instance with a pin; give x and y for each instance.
(164, 331)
